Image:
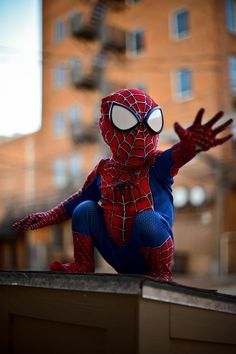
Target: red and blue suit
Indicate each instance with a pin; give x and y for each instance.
(125, 208)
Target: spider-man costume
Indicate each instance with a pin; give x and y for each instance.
(125, 208)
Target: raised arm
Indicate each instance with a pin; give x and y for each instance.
(198, 137)
(64, 210)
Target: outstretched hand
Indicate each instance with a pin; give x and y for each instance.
(33, 221)
(41, 219)
(203, 136)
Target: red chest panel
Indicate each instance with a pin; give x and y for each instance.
(124, 194)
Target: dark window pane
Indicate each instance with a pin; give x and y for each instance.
(232, 72)
(139, 38)
(230, 10)
(181, 23)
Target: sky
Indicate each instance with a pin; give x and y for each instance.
(20, 66)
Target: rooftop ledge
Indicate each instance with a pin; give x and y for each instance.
(123, 284)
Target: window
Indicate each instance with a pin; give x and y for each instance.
(59, 124)
(230, 11)
(75, 116)
(75, 66)
(59, 76)
(232, 73)
(75, 22)
(60, 179)
(135, 42)
(59, 31)
(75, 166)
(183, 83)
(180, 24)
(99, 60)
(76, 125)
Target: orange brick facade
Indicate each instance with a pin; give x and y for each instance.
(71, 46)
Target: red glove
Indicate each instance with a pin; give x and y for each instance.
(198, 137)
(203, 137)
(41, 219)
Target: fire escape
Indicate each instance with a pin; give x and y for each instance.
(89, 28)
(113, 38)
(89, 74)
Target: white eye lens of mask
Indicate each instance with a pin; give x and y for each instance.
(122, 118)
(155, 120)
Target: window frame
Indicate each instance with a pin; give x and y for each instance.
(175, 34)
(58, 129)
(75, 16)
(72, 118)
(75, 166)
(131, 42)
(59, 75)
(232, 73)
(59, 31)
(75, 69)
(178, 93)
(230, 16)
(60, 179)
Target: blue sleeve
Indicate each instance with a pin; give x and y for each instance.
(163, 166)
(91, 191)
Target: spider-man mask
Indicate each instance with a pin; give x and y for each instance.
(130, 124)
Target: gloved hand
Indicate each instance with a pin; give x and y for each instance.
(200, 136)
(41, 219)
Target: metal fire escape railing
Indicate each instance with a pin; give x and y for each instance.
(84, 134)
(89, 76)
(89, 28)
(113, 38)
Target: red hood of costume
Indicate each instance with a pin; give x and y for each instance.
(134, 147)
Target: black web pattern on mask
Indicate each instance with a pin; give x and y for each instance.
(130, 142)
(135, 101)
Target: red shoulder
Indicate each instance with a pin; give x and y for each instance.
(102, 164)
(97, 170)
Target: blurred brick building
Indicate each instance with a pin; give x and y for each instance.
(183, 53)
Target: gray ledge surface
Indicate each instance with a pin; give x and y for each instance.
(122, 284)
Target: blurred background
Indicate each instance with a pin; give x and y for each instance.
(57, 60)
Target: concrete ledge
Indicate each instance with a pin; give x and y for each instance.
(104, 283)
(122, 284)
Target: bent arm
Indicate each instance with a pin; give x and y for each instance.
(169, 161)
(181, 154)
(90, 191)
